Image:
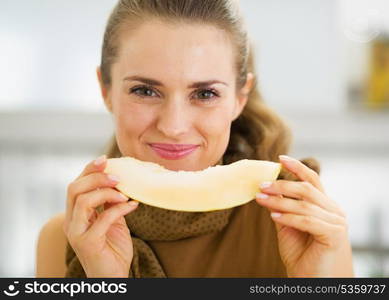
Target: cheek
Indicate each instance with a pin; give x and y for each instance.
(132, 120)
(216, 123)
(129, 117)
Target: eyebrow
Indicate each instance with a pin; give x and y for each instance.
(154, 82)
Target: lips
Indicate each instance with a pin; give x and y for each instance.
(173, 151)
(173, 147)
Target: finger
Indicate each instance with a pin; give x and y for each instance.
(302, 171)
(302, 190)
(325, 233)
(86, 204)
(278, 226)
(109, 216)
(287, 205)
(120, 220)
(294, 189)
(86, 184)
(97, 165)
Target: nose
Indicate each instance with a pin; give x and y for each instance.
(174, 119)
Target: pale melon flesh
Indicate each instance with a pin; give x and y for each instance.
(215, 188)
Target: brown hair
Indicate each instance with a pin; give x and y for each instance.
(258, 133)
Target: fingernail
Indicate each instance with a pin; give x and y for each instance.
(285, 158)
(133, 203)
(99, 160)
(265, 184)
(114, 178)
(276, 214)
(262, 196)
(124, 197)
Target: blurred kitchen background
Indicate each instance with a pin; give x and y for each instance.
(322, 64)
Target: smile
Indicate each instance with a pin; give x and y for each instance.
(173, 154)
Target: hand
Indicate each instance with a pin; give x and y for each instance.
(102, 242)
(312, 230)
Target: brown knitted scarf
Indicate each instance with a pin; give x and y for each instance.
(148, 223)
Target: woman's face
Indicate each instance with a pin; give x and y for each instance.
(174, 85)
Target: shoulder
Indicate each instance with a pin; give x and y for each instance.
(51, 248)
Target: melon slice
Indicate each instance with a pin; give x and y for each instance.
(215, 188)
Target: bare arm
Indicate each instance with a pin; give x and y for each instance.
(51, 249)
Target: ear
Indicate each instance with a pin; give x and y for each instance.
(243, 96)
(104, 90)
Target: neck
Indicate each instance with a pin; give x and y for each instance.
(220, 162)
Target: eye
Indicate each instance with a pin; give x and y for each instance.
(142, 91)
(206, 95)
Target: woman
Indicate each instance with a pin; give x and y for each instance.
(177, 74)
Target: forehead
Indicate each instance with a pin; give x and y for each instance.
(176, 52)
